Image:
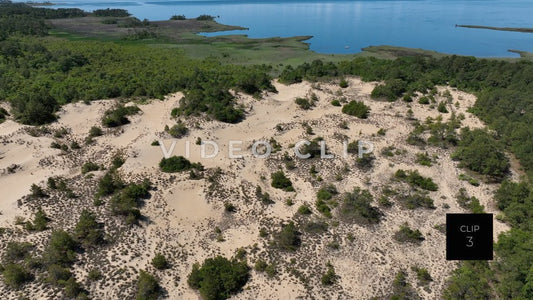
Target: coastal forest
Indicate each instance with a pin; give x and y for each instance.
(40, 73)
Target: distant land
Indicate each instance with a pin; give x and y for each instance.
(527, 30)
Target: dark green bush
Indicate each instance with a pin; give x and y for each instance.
(280, 181)
(178, 17)
(160, 262)
(88, 231)
(219, 278)
(175, 164)
(357, 109)
(415, 179)
(89, 167)
(118, 116)
(15, 276)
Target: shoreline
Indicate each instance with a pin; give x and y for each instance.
(513, 29)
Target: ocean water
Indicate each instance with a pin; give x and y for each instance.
(343, 26)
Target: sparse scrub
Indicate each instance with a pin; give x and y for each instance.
(414, 178)
(407, 235)
(356, 207)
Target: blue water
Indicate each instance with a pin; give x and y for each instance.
(342, 26)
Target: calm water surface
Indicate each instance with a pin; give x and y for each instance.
(342, 26)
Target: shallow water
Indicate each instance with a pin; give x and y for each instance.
(341, 26)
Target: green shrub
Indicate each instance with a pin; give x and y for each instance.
(117, 162)
(15, 276)
(343, 83)
(94, 274)
(205, 18)
(178, 131)
(229, 207)
(471, 280)
(365, 162)
(323, 208)
(391, 90)
(280, 181)
(128, 201)
(356, 207)
(422, 274)
(414, 178)
(330, 277)
(288, 238)
(37, 191)
(312, 149)
(470, 203)
(89, 167)
(160, 262)
(304, 103)
(88, 231)
(416, 200)
(109, 184)
(327, 192)
(61, 249)
(304, 210)
(148, 287)
(442, 107)
(336, 102)
(178, 17)
(402, 290)
(424, 159)
(118, 116)
(423, 100)
(175, 164)
(407, 235)
(357, 109)
(219, 278)
(16, 252)
(40, 221)
(260, 265)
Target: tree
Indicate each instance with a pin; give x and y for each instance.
(61, 249)
(218, 278)
(148, 287)
(480, 152)
(15, 275)
(87, 231)
(469, 281)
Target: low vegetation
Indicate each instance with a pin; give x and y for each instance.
(414, 179)
(407, 235)
(356, 109)
(219, 277)
(175, 164)
(280, 181)
(356, 207)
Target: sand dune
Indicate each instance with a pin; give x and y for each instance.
(183, 213)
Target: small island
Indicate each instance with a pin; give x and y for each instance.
(526, 30)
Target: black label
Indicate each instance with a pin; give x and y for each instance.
(469, 237)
